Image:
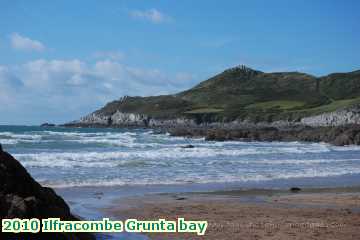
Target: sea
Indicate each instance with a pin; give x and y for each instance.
(81, 163)
(73, 157)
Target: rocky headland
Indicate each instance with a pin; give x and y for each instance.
(22, 197)
(245, 104)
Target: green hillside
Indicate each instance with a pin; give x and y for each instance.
(243, 93)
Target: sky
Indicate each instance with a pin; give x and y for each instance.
(60, 60)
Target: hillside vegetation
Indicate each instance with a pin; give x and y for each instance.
(244, 93)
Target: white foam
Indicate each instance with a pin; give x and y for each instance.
(8, 141)
(201, 179)
(105, 138)
(281, 163)
(346, 148)
(142, 158)
(175, 153)
(20, 136)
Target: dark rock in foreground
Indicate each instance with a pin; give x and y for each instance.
(22, 197)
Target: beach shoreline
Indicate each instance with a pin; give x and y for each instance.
(311, 213)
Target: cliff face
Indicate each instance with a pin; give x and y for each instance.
(242, 97)
(131, 120)
(22, 197)
(337, 118)
(340, 117)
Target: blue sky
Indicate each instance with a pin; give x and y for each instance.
(62, 59)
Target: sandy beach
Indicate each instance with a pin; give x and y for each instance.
(326, 213)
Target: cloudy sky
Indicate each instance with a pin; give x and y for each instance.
(60, 60)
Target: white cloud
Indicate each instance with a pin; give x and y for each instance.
(111, 55)
(153, 15)
(24, 43)
(68, 89)
(49, 75)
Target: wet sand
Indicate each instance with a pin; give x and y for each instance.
(328, 213)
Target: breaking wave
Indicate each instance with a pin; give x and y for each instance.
(108, 157)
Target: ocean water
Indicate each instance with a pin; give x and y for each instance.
(75, 157)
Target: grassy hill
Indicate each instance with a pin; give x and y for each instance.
(244, 93)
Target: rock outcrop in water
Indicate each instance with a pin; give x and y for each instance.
(22, 197)
(48, 125)
(340, 136)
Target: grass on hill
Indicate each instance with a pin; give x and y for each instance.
(243, 93)
(204, 110)
(282, 105)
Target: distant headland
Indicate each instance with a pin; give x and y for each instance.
(247, 99)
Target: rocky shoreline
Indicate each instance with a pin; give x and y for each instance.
(341, 127)
(339, 136)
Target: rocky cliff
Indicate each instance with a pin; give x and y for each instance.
(339, 117)
(122, 119)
